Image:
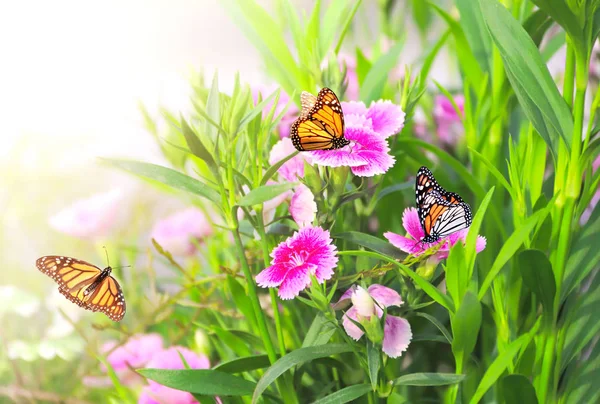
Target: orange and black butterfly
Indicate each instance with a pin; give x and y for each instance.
(85, 284)
(320, 125)
(441, 212)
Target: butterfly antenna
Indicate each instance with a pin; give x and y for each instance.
(106, 252)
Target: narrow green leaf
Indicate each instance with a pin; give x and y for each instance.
(517, 389)
(457, 279)
(499, 365)
(294, 358)
(242, 301)
(537, 274)
(213, 108)
(536, 25)
(494, 171)
(476, 32)
(264, 193)
(371, 242)
(465, 325)
(471, 242)
(245, 364)
(124, 394)
(428, 288)
(437, 323)
(201, 381)
(510, 247)
(428, 379)
(375, 80)
(257, 110)
(273, 169)
(537, 93)
(195, 144)
(166, 176)
(345, 395)
(374, 362)
(320, 331)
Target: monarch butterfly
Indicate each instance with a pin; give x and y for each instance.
(320, 125)
(441, 212)
(85, 284)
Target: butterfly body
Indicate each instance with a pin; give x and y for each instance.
(441, 213)
(320, 125)
(85, 284)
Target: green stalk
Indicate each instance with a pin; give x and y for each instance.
(287, 394)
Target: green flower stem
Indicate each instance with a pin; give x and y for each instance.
(287, 394)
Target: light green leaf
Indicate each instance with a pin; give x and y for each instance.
(200, 381)
(465, 325)
(264, 193)
(375, 80)
(345, 395)
(428, 379)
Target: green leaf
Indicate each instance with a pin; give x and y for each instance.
(437, 323)
(476, 32)
(370, 242)
(213, 109)
(242, 301)
(517, 389)
(428, 288)
(562, 14)
(428, 379)
(537, 274)
(345, 395)
(166, 176)
(320, 331)
(510, 247)
(536, 25)
(374, 362)
(244, 364)
(471, 242)
(200, 381)
(499, 365)
(375, 80)
(465, 325)
(457, 279)
(264, 193)
(273, 169)
(124, 394)
(537, 93)
(294, 358)
(196, 146)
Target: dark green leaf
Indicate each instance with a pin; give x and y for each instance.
(264, 193)
(437, 323)
(294, 358)
(537, 274)
(537, 93)
(465, 325)
(428, 379)
(201, 381)
(320, 331)
(345, 395)
(245, 364)
(536, 25)
(374, 361)
(166, 176)
(517, 389)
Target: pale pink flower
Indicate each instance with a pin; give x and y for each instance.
(135, 353)
(367, 130)
(303, 207)
(413, 245)
(91, 217)
(155, 393)
(397, 333)
(448, 121)
(307, 252)
(292, 169)
(178, 233)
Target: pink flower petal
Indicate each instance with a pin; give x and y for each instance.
(344, 300)
(408, 245)
(271, 276)
(385, 296)
(354, 107)
(352, 329)
(358, 120)
(296, 280)
(396, 336)
(292, 169)
(412, 224)
(176, 232)
(303, 207)
(387, 118)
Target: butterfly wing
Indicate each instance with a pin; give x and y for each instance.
(108, 298)
(441, 213)
(321, 123)
(85, 284)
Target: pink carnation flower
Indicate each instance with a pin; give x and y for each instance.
(413, 245)
(449, 124)
(367, 130)
(303, 207)
(292, 169)
(91, 217)
(397, 333)
(155, 393)
(308, 252)
(176, 233)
